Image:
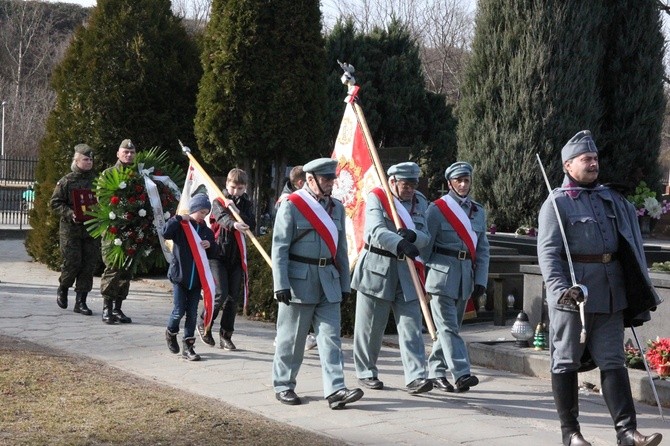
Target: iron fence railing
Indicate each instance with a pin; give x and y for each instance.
(17, 170)
(14, 207)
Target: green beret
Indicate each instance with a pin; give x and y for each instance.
(84, 149)
(582, 142)
(127, 144)
(457, 170)
(405, 171)
(325, 167)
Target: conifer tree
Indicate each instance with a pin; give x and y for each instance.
(262, 96)
(130, 72)
(542, 71)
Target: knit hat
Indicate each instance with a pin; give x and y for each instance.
(84, 149)
(197, 202)
(457, 170)
(582, 142)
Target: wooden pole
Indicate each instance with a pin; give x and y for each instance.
(231, 207)
(396, 218)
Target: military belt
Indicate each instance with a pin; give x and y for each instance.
(322, 262)
(383, 252)
(460, 255)
(592, 258)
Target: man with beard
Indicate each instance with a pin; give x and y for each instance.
(610, 280)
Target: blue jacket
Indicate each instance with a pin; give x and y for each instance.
(182, 268)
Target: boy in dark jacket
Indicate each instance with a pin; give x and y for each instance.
(183, 272)
(229, 266)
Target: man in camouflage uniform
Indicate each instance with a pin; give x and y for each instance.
(115, 282)
(79, 250)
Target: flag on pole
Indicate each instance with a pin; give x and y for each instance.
(356, 177)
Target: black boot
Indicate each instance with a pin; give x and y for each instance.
(61, 297)
(172, 343)
(225, 342)
(619, 399)
(118, 314)
(188, 352)
(80, 304)
(566, 397)
(107, 316)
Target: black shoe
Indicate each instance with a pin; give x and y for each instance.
(371, 383)
(206, 336)
(420, 385)
(442, 384)
(61, 297)
(187, 350)
(576, 439)
(288, 397)
(343, 397)
(633, 437)
(464, 383)
(120, 317)
(225, 342)
(172, 343)
(107, 316)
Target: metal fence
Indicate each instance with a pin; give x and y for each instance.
(17, 171)
(14, 207)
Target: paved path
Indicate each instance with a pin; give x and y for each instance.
(505, 409)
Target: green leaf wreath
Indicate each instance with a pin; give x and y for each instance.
(124, 218)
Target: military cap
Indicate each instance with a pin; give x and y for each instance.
(582, 142)
(127, 144)
(197, 202)
(405, 171)
(457, 170)
(325, 167)
(84, 149)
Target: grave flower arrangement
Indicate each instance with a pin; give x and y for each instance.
(133, 204)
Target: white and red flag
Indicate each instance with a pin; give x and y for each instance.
(356, 176)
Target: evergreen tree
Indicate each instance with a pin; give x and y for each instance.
(539, 73)
(398, 109)
(131, 72)
(262, 95)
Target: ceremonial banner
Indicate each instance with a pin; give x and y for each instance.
(202, 266)
(195, 183)
(356, 177)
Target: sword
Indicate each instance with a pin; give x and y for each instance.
(646, 366)
(582, 316)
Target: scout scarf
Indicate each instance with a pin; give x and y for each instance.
(317, 217)
(406, 222)
(457, 218)
(241, 241)
(202, 265)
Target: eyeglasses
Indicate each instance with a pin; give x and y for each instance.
(407, 184)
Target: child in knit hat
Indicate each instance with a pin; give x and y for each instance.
(183, 272)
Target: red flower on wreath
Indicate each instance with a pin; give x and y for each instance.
(139, 188)
(114, 200)
(128, 216)
(131, 200)
(113, 229)
(130, 251)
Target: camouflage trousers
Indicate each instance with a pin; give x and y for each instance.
(115, 282)
(80, 254)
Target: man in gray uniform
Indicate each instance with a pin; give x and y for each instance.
(457, 263)
(606, 248)
(310, 270)
(383, 281)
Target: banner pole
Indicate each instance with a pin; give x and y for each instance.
(425, 309)
(232, 208)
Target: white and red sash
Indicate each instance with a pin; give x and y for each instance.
(317, 217)
(202, 265)
(242, 248)
(460, 221)
(406, 222)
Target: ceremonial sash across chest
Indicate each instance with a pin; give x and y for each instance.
(202, 266)
(460, 221)
(240, 239)
(406, 222)
(317, 217)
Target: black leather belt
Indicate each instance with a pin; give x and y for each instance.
(460, 255)
(322, 262)
(383, 252)
(592, 258)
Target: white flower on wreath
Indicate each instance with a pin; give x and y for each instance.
(653, 207)
(122, 185)
(142, 213)
(112, 215)
(166, 215)
(147, 252)
(118, 242)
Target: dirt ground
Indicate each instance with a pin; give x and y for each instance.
(51, 398)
